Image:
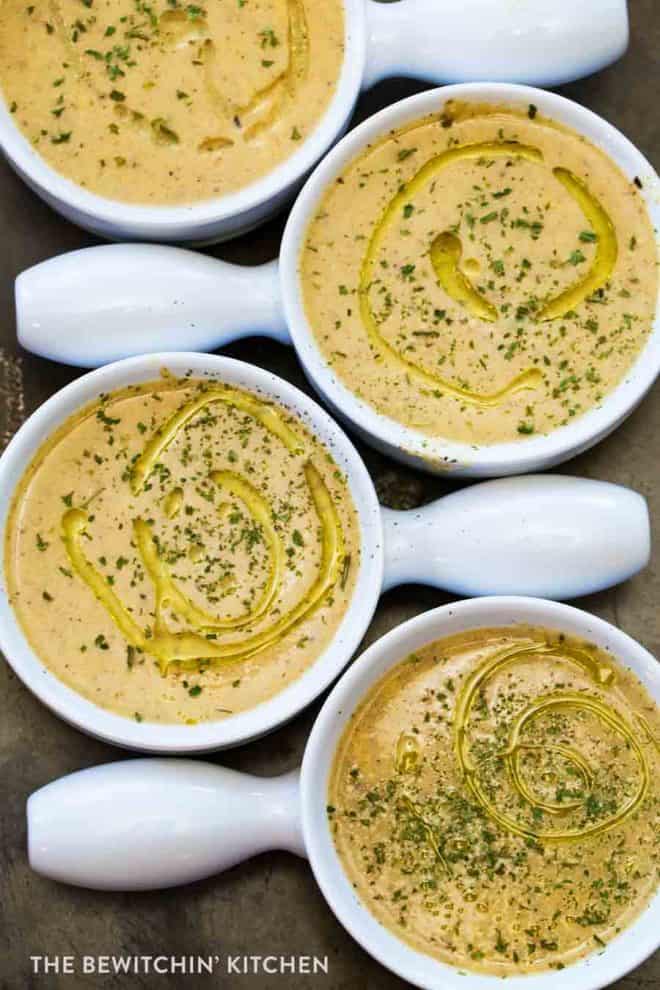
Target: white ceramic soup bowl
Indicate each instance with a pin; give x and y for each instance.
(552, 536)
(98, 304)
(148, 824)
(545, 42)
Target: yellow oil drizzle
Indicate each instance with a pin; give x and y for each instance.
(445, 254)
(163, 437)
(259, 114)
(528, 379)
(429, 830)
(156, 130)
(511, 754)
(178, 30)
(169, 595)
(74, 525)
(172, 503)
(647, 730)
(606, 250)
(407, 753)
(579, 702)
(263, 109)
(190, 648)
(262, 513)
(219, 102)
(332, 551)
(570, 754)
(214, 143)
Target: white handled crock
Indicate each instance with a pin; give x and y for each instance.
(543, 42)
(146, 824)
(552, 536)
(105, 303)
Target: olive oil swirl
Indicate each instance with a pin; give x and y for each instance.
(260, 113)
(406, 757)
(493, 800)
(267, 105)
(565, 701)
(190, 648)
(445, 256)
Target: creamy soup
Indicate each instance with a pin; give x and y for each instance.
(181, 550)
(495, 800)
(168, 102)
(481, 276)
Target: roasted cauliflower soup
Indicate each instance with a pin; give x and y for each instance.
(495, 800)
(181, 550)
(168, 102)
(482, 276)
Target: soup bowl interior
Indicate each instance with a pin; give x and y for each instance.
(237, 729)
(208, 220)
(619, 956)
(405, 443)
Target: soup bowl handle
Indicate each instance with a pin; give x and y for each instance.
(100, 304)
(539, 42)
(547, 536)
(153, 823)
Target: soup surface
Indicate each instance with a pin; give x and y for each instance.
(481, 276)
(495, 800)
(168, 102)
(181, 550)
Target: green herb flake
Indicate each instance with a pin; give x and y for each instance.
(268, 38)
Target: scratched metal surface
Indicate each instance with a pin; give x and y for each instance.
(270, 905)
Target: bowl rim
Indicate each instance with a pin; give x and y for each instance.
(621, 955)
(129, 218)
(233, 731)
(499, 459)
